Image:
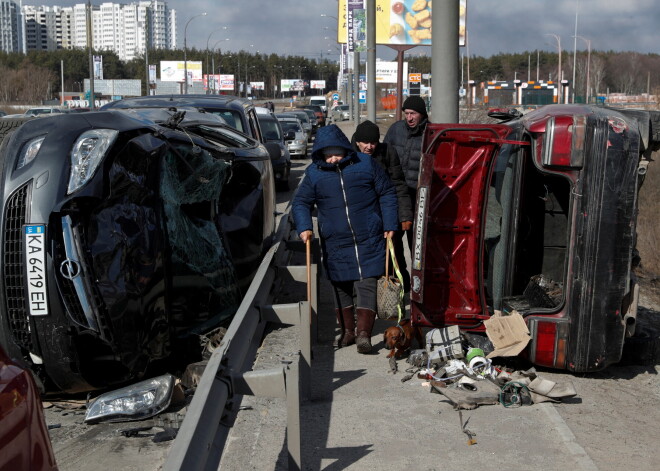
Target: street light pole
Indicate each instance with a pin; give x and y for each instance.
(207, 47)
(588, 41)
(577, 6)
(185, 51)
(558, 80)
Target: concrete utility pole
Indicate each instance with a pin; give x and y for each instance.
(371, 60)
(444, 65)
(92, 96)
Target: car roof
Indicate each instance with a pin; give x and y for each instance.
(162, 115)
(193, 100)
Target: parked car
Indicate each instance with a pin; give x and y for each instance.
(295, 136)
(535, 215)
(340, 113)
(318, 111)
(238, 112)
(304, 119)
(24, 440)
(313, 118)
(2, 113)
(125, 234)
(280, 157)
(43, 111)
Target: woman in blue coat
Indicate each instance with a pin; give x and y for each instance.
(357, 210)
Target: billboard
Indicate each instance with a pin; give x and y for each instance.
(397, 22)
(257, 85)
(317, 84)
(219, 82)
(292, 85)
(173, 71)
(386, 71)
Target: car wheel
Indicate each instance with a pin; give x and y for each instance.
(9, 125)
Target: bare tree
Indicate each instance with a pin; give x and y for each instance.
(597, 74)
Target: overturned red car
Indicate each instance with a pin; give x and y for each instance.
(537, 215)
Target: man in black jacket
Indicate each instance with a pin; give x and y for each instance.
(366, 139)
(406, 137)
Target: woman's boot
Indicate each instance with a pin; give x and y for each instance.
(348, 325)
(365, 324)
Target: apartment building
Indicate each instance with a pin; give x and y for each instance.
(126, 29)
(11, 30)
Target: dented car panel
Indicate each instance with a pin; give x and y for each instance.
(140, 252)
(535, 215)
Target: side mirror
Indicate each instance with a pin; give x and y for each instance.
(274, 150)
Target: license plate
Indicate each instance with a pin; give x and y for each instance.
(35, 268)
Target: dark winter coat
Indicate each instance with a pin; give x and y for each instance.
(356, 204)
(388, 159)
(408, 144)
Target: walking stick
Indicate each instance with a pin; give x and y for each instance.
(308, 247)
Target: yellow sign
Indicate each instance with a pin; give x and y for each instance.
(415, 78)
(402, 22)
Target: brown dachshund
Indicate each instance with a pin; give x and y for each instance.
(400, 336)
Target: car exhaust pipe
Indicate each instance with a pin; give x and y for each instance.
(630, 316)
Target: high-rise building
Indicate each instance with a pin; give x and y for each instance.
(11, 27)
(126, 29)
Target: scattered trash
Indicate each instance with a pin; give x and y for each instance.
(444, 344)
(509, 334)
(165, 436)
(464, 429)
(134, 431)
(52, 426)
(393, 367)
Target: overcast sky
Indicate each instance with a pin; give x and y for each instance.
(296, 27)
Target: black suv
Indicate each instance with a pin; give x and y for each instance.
(237, 112)
(125, 234)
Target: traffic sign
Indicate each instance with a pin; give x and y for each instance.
(335, 96)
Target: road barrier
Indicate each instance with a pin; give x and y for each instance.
(228, 375)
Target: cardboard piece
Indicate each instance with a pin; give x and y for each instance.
(509, 334)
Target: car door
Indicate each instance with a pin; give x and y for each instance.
(455, 170)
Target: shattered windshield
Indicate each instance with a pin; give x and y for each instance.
(224, 136)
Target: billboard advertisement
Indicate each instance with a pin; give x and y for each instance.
(173, 71)
(220, 82)
(397, 22)
(386, 71)
(317, 84)
(257, 85)
(292, 85)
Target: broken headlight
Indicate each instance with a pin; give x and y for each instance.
(87, 154)
(138, 401)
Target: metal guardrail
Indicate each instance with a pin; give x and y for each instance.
(228, 376)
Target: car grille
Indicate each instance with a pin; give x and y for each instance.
(13, 266)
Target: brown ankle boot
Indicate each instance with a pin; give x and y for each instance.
(365, 324)
(348, 337)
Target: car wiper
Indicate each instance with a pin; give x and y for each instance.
(174, 120)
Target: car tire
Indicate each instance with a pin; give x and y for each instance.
(9, 125)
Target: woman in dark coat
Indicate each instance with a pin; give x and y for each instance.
(366, 139)
(357, 209)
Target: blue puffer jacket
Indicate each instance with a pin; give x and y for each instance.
(356, 204)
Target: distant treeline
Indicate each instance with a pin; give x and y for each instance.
(37, 75)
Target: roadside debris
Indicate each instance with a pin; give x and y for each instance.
(462, 369)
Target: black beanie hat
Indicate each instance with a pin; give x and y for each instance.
(415, 103)
(366, 131)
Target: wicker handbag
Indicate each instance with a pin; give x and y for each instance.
(389, 294)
